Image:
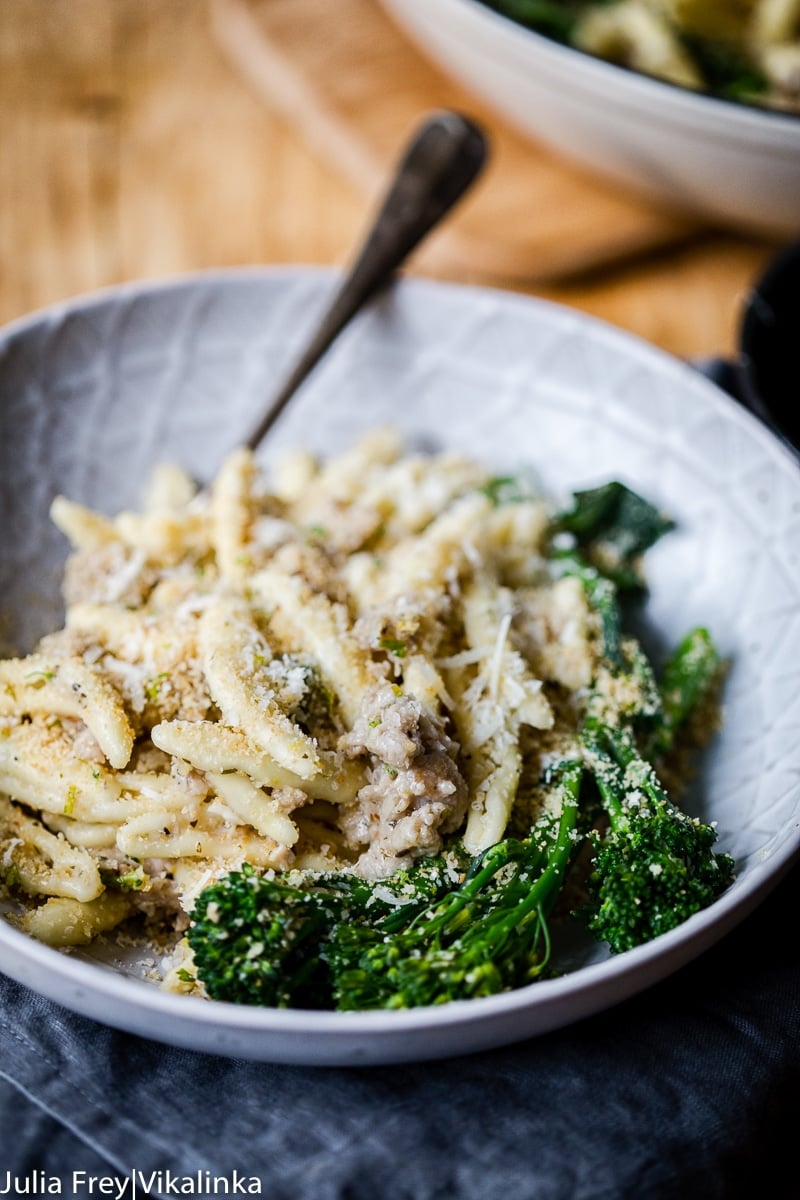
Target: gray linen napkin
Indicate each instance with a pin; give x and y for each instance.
(688, 1090)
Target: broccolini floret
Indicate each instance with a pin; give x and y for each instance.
(654, 867)
(258, 939)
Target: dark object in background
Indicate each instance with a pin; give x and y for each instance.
(768, 346)
(765, 376)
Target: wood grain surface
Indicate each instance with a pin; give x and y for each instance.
(357, 92)
(130, 148)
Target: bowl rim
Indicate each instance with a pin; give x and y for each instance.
(649, 962)
(737, 116)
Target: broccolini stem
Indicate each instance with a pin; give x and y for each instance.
(607, 774)
(623, 772)
(545, 862)
(688, 677)
(623, 748)
(482, 870)
(601, 594)
(541, 897)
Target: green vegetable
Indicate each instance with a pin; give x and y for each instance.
(256, 940)
(260, 940)
(545, 16)
(655, 866)
(152, 688)
(688, 678)
(601, 594)
(726, 70)
(613, 527)
(393, 646)
(508, 489)
(131, 881)
(600, 541)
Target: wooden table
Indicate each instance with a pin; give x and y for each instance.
(130, 148)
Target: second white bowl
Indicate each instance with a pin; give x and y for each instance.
(735, 165)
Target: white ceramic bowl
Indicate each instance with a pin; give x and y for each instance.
(732, 164)
(93, 393)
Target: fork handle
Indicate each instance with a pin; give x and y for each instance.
(439, 164)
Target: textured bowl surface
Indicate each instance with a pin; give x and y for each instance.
(734, 164)
(94, 393)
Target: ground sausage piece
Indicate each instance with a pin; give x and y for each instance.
(415, 792)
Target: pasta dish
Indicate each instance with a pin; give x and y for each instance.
(746, 50)
(337, 691)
